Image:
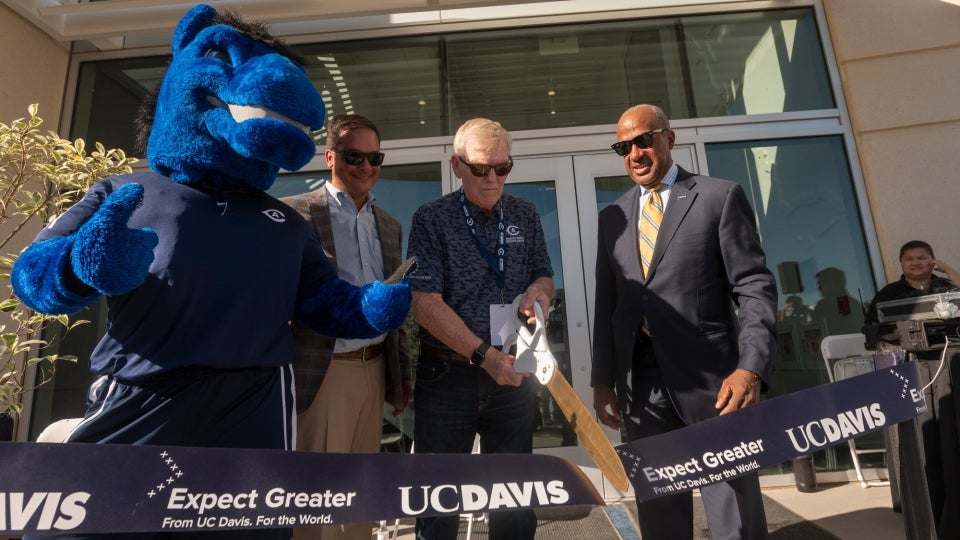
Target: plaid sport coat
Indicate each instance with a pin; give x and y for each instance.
(313, 351)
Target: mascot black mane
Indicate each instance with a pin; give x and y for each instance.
(203, 271)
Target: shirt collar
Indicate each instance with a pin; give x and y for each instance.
(340, 196)
(476, 211)
(668, 179)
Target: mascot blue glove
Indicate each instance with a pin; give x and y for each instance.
(203, 271)
(104, 255)
(383, 307)
(109, 256)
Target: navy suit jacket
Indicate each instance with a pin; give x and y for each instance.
(709, 298)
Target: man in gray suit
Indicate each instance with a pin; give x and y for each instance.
(341, 384)
(685, 317)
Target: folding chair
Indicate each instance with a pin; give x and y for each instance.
(59, 430)
(846, 356)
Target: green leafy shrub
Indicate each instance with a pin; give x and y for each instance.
(41, 175)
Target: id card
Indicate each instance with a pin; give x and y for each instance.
(502, 323)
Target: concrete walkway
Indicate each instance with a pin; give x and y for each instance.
(843, 511)
(847, 511)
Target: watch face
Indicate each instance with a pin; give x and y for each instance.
(479, 353)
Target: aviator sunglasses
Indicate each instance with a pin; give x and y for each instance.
(643, 140)
(355, 157)
(501, 169)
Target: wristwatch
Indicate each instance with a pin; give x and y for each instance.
(477, 357)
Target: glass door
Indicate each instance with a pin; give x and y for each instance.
(548, 184)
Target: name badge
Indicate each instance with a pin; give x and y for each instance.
(502, 323)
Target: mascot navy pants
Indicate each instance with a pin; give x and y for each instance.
(240, 408)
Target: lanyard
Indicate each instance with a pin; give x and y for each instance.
(498, 263)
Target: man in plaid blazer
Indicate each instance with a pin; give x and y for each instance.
(341, 384)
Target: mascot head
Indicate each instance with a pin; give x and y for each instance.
(233, 108)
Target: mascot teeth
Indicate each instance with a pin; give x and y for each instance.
(241, 113)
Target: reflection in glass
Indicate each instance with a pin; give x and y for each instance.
(812, 234)
(610, 188)
(537, 77)
(551, 427)
(394, 82)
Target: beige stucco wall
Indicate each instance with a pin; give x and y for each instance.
(33, 69)
(899, 65)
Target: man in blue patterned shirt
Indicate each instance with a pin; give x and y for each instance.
(477, 250)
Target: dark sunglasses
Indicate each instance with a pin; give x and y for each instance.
(355, 157)
(501, 169)
(643, 140)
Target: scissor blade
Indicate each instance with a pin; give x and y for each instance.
(585, 425)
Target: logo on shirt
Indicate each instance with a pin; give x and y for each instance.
(514, 234)
(275, 215)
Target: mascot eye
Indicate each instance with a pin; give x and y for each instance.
(219, 54)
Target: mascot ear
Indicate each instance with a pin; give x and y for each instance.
(191, 24)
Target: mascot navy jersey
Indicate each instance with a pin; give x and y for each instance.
(226, 274)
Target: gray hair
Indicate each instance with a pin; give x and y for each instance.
(484, 131)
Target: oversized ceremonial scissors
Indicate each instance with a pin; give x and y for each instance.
(534, 356)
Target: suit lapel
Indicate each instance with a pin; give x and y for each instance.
(681, 199)
(389, 241)
(320, 214)
(629, 252)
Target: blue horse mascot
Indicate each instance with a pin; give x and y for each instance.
(203, 271)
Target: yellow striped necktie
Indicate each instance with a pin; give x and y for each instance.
(650, 217)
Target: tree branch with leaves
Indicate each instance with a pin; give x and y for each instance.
(41, 175)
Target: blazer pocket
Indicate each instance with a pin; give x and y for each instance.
(699, 238)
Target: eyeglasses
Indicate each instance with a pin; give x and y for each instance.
(501, 169)
(643, 140)
(355, 157)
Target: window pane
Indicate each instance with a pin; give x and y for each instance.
(394, 82)
(108, 97)
(802, 193)
(551, 428)
(527, 78)
(610, 188)
(755, 63)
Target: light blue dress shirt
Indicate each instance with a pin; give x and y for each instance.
(357, 244)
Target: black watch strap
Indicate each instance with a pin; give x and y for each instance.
(477, 357)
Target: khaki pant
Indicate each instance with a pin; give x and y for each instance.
(346, 416)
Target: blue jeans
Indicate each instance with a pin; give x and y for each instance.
(454, 402)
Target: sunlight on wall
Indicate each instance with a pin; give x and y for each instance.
(763, 89)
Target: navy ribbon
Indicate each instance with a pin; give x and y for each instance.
(94, 488)
(772, 432)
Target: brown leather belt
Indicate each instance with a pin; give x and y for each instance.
(444, 355)
(365, 353)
